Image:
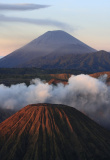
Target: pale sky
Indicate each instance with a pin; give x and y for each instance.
(24, 20)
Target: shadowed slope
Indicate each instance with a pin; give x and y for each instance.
(52, 132)
(94, 62)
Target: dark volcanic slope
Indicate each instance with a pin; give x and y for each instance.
(5, 113)
(44, 45)
(94, 62)
(52, 132)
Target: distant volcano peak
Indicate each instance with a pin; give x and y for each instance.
(59, 37)
(52, 41)
(56, 32)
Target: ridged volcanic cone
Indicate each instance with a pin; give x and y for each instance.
(52, 132)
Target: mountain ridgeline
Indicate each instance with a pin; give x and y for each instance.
(95, 62)
(57, 50)
(50, 42)
(52, 132)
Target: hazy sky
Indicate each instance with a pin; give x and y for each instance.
(24, 20)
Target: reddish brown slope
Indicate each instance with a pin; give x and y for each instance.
(96, 75)
(52, 132)
(56, 81)
(63, 76)
(59, 78)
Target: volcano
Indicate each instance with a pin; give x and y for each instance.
(52, 132)
(49, 42)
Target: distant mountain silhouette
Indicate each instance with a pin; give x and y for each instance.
(52, 132)
(51, 41)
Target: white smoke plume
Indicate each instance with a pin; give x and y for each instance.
(87, 94)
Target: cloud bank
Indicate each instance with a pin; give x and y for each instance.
(21, 7)
(89, 95)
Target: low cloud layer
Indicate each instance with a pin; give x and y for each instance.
(21, 7)
(89, 95)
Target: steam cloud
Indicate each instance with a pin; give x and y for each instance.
(89, 95)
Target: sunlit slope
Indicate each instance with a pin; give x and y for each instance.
(52, 132)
